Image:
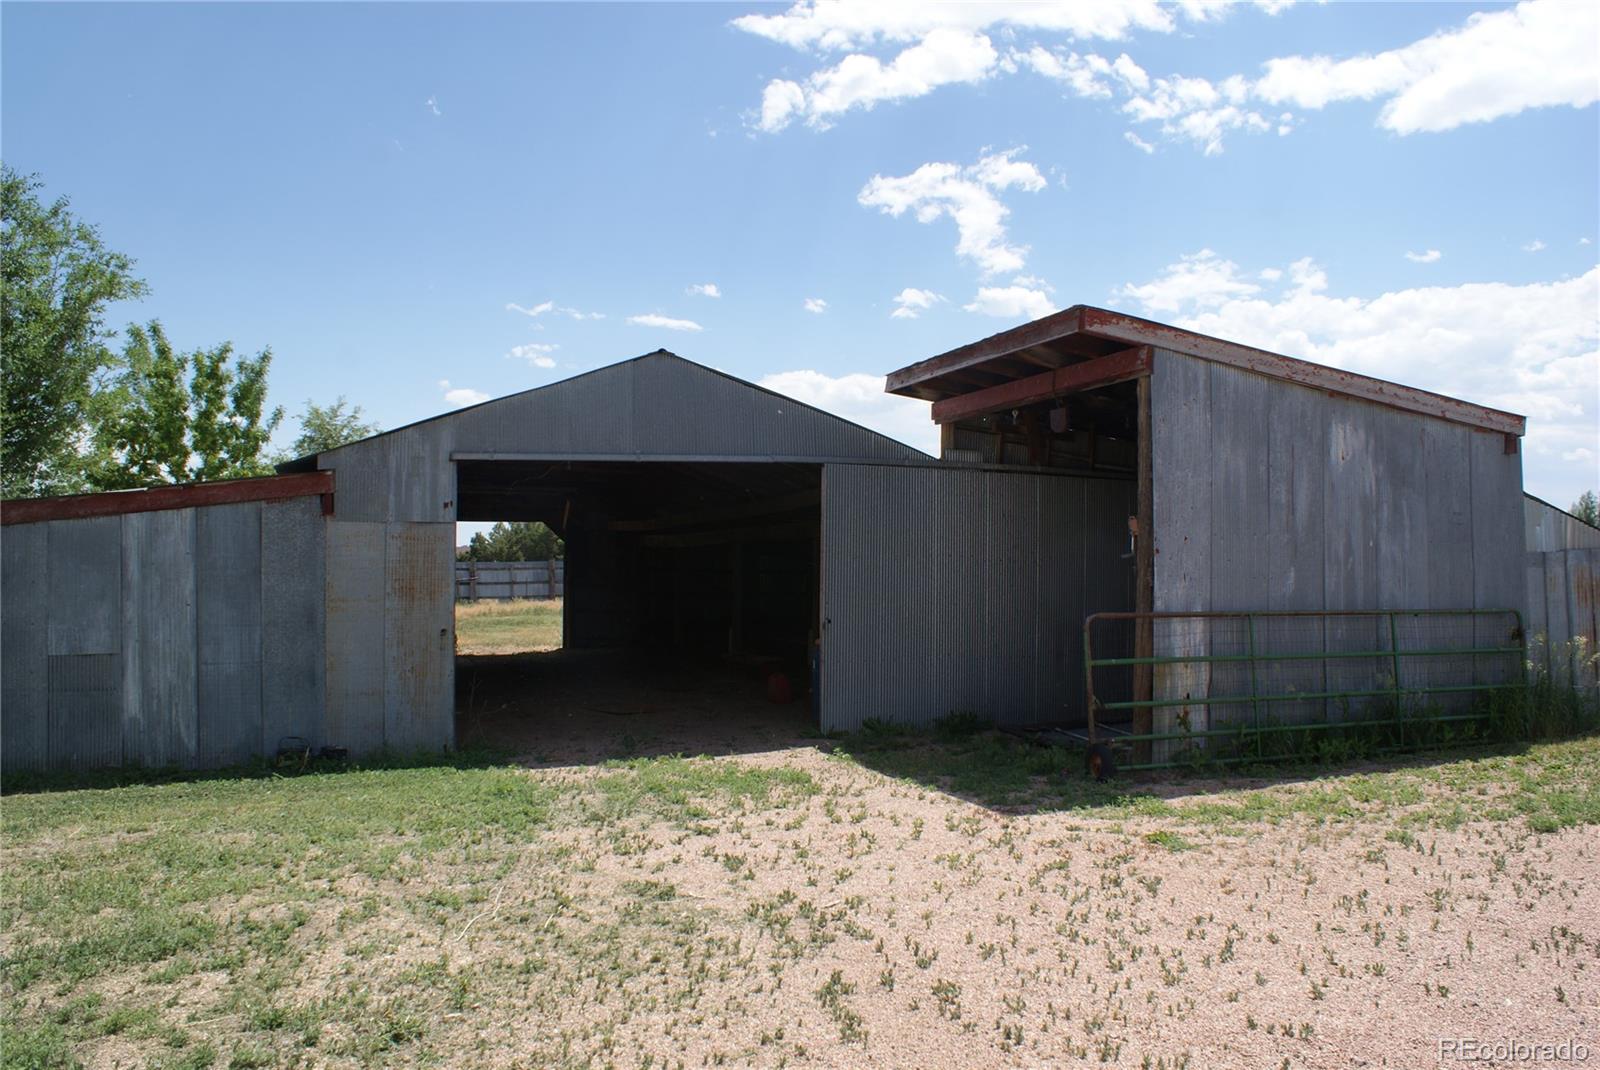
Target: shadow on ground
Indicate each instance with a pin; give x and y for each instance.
(580, 707)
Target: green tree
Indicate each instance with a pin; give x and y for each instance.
(322, 427)
(171, 417)
(1587, 509)
(520, 541)
(57, 280)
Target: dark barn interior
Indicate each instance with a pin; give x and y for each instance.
(688, 578)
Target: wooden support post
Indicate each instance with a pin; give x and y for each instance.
(1144, 556)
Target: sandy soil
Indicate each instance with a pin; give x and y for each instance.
(881, 923)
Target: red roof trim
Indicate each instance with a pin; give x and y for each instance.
(180, 496)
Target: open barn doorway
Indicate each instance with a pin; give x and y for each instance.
(688, 609)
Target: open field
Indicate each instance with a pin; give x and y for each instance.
(513, 626)
(886, 900)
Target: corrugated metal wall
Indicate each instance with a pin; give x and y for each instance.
(656, 406)
(961, 589)
(188, 637)
(1549, 528)
(1564, 614)
(1274, 496)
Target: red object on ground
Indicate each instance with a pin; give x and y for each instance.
(779, 690)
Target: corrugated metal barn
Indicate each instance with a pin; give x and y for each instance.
(667, 479)
(1090, 463)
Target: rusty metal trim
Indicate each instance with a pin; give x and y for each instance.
(1088, 375)
(180, 496)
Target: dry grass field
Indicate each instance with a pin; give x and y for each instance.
(884, 900)
(514, 626)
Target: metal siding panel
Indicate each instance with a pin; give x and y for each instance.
(228, 633)
(1009, 596)
(419, 647)
(85, 569)
(963, 617)
(1064, 522)
(677, 411)
(1240, 490)
(86, 723)
(24, 648)
(355, 636)
(1538, 621)
(1448, 478)
(293, 622)
(1402, 526)
(1558, 603)
(159, 726)
(1180, 417)
(1297, 427)
(1351, 561)
(587, 414)
(1497, 540)
(1583, 608)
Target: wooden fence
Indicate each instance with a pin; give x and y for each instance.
(509, 579)
(1564, 612)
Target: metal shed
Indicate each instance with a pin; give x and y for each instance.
(1271, 491)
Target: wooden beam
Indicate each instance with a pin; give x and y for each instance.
(178, 496)
(1029, 334)
(1088, 375)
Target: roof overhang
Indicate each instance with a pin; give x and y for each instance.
(1084, 333)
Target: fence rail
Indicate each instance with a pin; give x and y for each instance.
(1222, 686)
(509, 579)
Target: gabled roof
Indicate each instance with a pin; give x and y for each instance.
(656, 406)
(1083, 332)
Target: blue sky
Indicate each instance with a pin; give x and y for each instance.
(400, 197)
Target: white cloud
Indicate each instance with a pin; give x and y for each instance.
(968, 196)
(550, 306)
(1530, 348)
(1583, 241)
(1429, 257)
(1538, 54)
(945, 44)
(840, 24)
(816, 304)
(666, 323)
(860, 398)
(536, 353)
(704, 289)
(460, 395)
(1138, 142)
(943, 57)
(1535, 246)
(912, 302)
(1202, 280)
(432, 104)
(1011, 302)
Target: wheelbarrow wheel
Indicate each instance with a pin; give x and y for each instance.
(1101, 764)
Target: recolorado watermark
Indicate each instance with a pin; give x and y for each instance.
(1502, 1050)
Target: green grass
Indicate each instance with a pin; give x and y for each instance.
(508, 627)
(256, 877)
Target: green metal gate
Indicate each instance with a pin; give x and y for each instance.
(1186, 688)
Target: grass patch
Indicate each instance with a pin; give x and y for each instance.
(512, 626)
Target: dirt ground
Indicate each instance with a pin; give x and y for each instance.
(794, 901)
(882, 922)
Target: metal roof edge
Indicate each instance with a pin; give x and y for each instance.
(174, 496)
